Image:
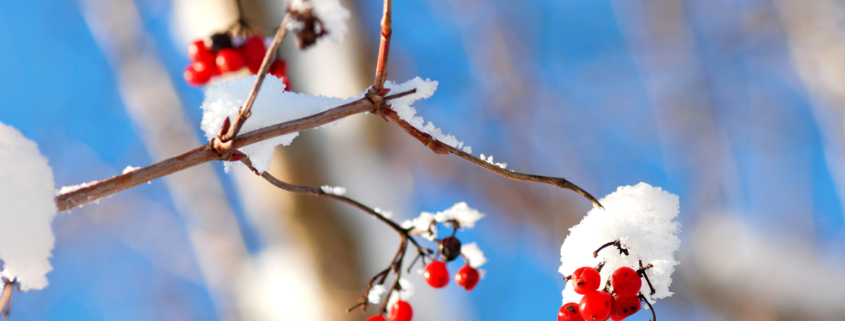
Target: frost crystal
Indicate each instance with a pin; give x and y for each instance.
(26, 192)
(376, 292)
(336, 190)
(402, 106)
(473, 254)
(641, 218)
(272, 106)
(460, 212)
(490, 160)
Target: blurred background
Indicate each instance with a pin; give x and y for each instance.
(736, 106)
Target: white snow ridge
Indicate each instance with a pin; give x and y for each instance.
(641, 218)
(26, 192)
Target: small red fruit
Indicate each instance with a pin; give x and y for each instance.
(625, 306)
(198, 51)
(195, 77)
(467, 277)
(586, 279)
(279, 68)
(595, 306)
(436, 274)
(229, 60)
(254, 49)
(569, 312)
(376, 318)
(626, 281)
(400, 311)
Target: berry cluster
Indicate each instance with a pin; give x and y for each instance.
(437, 275)
(223, 54)
(617, 304)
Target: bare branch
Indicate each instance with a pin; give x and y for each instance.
(6, 299)
(384, 46)
(441, 148)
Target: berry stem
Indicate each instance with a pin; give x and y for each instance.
(616, 243)
(641, 271)
(653, 315)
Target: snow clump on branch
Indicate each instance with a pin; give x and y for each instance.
(461, 213)
(273, 106)
(27, 190)
(641, 218)
(402, 106)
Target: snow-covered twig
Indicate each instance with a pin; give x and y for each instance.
(202, 154)
(223, 143)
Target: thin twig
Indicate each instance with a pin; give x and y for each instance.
(653, 314)
(618, 245)
(223, 142)
(441, 148)
(6, 299)
(384, 46)
(645, 275)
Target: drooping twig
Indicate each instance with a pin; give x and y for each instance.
(616, 243)
(223, 142)
(441, 148)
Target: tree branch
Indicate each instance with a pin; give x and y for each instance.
(440, 148)
(384, 46)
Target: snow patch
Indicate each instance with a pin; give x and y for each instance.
(336, 190)
(490, 160)
(473, 254)
(460, 213)
(402, 106)
(641, 218)
(27, 190)
(331, 14)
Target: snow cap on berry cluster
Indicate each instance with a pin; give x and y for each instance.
(460, 212)
(404, 294)
(332, 15)
(473, 254)
(402, 106)
(273, 106)
(27, 190)
(641, 218)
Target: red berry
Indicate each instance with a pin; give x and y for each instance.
(254, 50)
(615, 318)
(626, 281)
(198, 51)
(195, 77)
(400, 311)
(625, 306)
(436, 274)
(467, 277)
(376, 318)
(279, 69)
(569, 312)
(595, 306)
(586, 279)
(229, 60)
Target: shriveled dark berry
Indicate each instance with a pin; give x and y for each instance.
(450, 248)
(220, 41)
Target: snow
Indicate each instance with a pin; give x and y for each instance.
(376, 293)
(641, 217)
(68, 189)
(272, 106)
(336, 190)
(402, 106)
(384, 213)
(490, 160)
(27, 190)
(460, 212)
(473, 254)
(404, 294)
(130, 169)
(331, 14)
